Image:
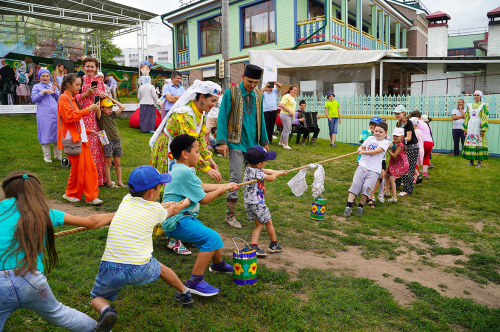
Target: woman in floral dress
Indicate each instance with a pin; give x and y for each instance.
(187, 116)
(475, 127)
(86, 98)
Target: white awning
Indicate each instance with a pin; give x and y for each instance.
(325, 58)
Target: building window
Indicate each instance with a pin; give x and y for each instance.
(210, 36)
(259, 24)
(316, 9)
(181, 36)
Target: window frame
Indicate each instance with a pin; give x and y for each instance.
(200, 31)
(177, 36)
(242, 9)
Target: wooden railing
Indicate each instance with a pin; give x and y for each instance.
(367, 41)
(337, 30)
(183, 57)
(353, 36)
(306, 27)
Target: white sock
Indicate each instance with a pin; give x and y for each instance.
(104, 308)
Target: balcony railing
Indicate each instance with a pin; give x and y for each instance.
(337, 30)
(306, 27)
(352, 36)
(183, 58)
(367, 41)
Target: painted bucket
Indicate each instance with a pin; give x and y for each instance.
(318, 208)
(244, 265)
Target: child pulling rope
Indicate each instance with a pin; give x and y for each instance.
(81, 229)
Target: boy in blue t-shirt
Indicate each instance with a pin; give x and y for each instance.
(185, 226)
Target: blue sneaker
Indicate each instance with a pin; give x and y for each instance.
(203, 288)
(185, 298)
(225, 268)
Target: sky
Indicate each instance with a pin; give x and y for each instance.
(464, 14)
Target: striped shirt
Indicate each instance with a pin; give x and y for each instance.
(130, 234)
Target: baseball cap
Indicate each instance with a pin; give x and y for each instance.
(399, 109)
(106, 102)
(398, 132)
(376, 119)
(258, 154)
(146, 177)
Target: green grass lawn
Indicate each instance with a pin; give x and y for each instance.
(447, 205)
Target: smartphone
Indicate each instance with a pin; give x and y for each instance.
(94, 84)
(97, 99)
(271, 85)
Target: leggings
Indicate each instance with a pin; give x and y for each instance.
(427, 151)
(408, 178)
(286, 119)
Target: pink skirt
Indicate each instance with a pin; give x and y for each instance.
(23, 90)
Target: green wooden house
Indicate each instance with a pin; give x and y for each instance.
(285, 24)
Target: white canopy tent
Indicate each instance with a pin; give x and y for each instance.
(325, 59)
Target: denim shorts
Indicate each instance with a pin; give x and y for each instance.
(193, 231)
(112, 277)
(332, 125)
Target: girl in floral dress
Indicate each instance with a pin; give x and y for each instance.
(398, 164)
(475, 127)
(86, 98)
(186, 117)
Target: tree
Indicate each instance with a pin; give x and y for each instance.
(109, 50)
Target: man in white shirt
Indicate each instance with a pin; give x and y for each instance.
(270, 96)
(458, 115)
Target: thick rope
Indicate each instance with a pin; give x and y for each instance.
(70, 231)
(302, 167)
(81, 229)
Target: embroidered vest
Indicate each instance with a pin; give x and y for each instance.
(235, 120)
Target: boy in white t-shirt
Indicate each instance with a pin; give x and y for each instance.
(127, 258)
(372, 153)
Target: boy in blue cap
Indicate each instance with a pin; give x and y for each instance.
(255, 206)
(185, 225)
(128, 258)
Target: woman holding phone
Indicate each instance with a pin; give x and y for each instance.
(92, 90)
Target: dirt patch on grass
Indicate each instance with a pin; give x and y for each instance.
(379, 269)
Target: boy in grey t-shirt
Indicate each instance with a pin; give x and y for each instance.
(255, 206)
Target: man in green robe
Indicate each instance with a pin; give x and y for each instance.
(240, 125)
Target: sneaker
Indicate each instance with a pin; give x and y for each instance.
(280, 143)
(225, 269)
(47, 160)
(287, 147)
(347, 212)
(107, 320)
(431, 165)
(274, 137)
(231, 221)
(381, 199)
(479, 164)
(186, 298)
(332, 145)
(71, 199)
(275, 247)
(95, 201)
(359, 211)
(260, 252)
(425, 175)
(470, 164)
(203, 288)
(178, 247)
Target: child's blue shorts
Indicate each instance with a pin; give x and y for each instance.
(193, 231)
(112, 277)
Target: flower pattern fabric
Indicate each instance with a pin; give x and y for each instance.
(398, 166)
(475, 121)
(90, 122)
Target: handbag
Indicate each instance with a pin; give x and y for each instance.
(69, 147)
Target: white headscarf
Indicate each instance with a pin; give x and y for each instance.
(203, 87)
(22, 67)
(479, 92)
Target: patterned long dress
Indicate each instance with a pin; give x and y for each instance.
(91, 123)
(475, 121)
(178, 124)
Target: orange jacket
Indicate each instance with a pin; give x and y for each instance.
(70, 114)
